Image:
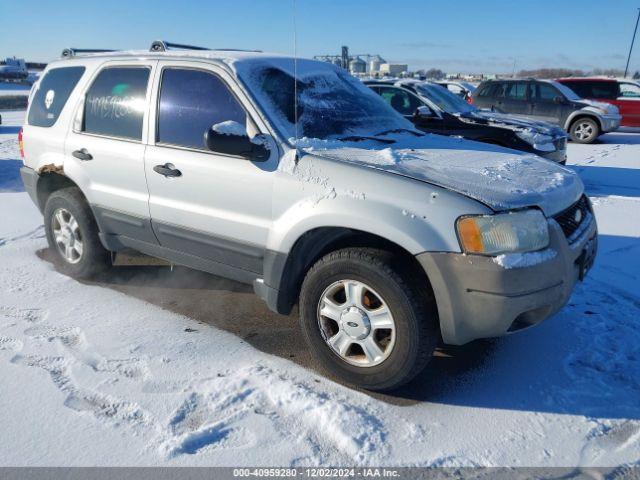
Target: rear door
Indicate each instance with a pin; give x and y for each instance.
(546, 102)
(515, 98)
(104, 151)
(220, 206)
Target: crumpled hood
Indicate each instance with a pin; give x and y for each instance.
(496, 119)
(500, 178)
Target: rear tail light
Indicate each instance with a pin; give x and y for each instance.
(470, 100)
(21, 144)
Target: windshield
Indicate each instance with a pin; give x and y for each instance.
(331, 103)
(443, 98)
(566, 91)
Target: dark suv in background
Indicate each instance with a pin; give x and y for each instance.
(550, 101)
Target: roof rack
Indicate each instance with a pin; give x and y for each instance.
(163, 46)
(72, 52)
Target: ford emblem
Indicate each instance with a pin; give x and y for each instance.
(577, 217)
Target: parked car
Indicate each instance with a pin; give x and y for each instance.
(550, 101)
(624, 94)
(388, 239)
(434, 109)
(463, 89)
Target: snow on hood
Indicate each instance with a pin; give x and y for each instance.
(609, 108)
(500, 178)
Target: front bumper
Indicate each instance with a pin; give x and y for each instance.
(610, 123)
(478, 298)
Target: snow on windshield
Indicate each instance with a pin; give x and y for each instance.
(331, 103)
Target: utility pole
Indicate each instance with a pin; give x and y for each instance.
(626, 69)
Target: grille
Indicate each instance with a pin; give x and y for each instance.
(567, 218)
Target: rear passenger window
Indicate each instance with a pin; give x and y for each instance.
(52, 95)
(191, 102)
(517, 91)
(116, 102)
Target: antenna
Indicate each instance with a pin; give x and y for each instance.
(295, 70)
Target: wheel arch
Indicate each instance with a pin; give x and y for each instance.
(50, 182)
(284, 273)
(581, 114)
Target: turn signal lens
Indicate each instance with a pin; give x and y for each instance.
(470, 235)
(522, 231)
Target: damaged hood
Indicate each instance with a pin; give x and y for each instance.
(511, 122)
(501, 179)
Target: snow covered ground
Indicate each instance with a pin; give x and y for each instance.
(92, 376)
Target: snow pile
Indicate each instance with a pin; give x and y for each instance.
(521, 260)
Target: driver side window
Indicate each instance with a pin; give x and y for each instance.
(400, 100)
(191, 102)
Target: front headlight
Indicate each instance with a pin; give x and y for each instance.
(537, 140)
(522, 231)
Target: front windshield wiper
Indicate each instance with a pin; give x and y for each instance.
(360, 138)
(399, 130)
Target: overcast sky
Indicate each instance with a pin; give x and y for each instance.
(456, 36)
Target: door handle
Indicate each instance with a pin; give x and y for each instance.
(82, 154)
(168, 170)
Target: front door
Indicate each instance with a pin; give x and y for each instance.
(546, 103)
(218, 206)
(104, 151)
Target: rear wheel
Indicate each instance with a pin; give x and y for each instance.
(584, 130)
(72, 234)
(366, 319)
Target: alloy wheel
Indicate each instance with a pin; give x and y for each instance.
(356, 323)
(67, 235)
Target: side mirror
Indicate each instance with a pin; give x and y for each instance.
(232, 138)
(558, 99)
(424, 113)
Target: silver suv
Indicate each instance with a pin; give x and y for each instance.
(292, 176)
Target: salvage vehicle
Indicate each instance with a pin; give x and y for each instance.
(624, 94)
(552, 102)
(292, 176)
(433, 109)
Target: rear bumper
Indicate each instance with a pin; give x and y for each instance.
(478, 298)
(30, 181)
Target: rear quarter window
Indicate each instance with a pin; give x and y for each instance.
(52, 94)
(116, 101)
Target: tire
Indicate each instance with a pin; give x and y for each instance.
(86, 257)
(584, 130)
(387, 281)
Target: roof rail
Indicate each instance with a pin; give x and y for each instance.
(72, 52)
(162, 46)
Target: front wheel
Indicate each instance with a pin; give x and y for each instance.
(367, 319)
(72, 234)
(584, 130)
